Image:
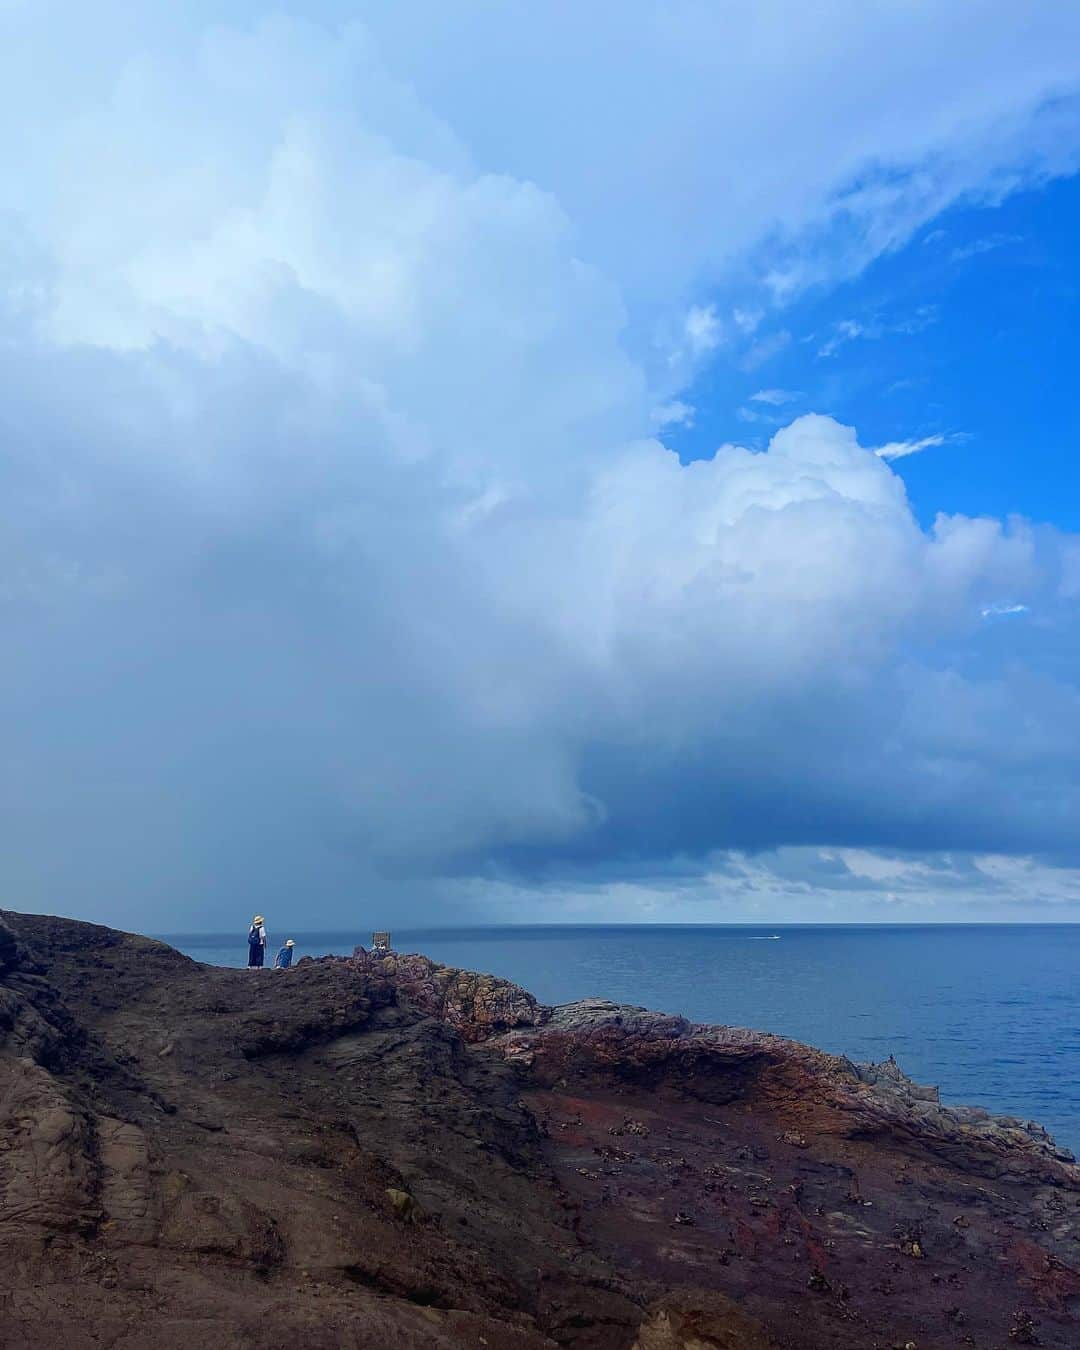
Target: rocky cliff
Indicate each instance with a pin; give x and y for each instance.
(371, 1152)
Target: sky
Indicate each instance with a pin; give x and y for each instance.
(512, 463)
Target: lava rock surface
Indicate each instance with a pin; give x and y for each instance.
(381, 1151)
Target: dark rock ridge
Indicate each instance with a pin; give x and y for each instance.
(368, 1152)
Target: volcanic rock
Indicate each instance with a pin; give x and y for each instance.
(477, 1006)
(374, 1152)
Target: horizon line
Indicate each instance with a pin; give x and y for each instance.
(735, 923)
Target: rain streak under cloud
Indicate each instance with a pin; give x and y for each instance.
(341, 553)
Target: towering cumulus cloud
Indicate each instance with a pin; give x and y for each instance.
(337, 551)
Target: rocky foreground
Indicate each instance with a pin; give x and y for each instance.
(365, 1153)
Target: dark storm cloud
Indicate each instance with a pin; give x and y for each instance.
(337, 559)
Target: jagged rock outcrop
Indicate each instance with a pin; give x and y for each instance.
(367, 1152)
(478, 1006)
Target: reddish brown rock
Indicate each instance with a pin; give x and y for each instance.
(367, 1153)
(478, 1006)
(803, 1088)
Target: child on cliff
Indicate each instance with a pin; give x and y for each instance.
(283, 960)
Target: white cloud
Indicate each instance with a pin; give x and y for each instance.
(847, 330)
(844, 330)
(702, 329)
(870, 866)
(901, 449)
(1002, 610)
(339, 557)
(674, 414)
(667, 180)
(679, 194)
(776, 398)
(795, 884)
(746, 320)
(987, 244)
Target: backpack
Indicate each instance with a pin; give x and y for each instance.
(254, 940)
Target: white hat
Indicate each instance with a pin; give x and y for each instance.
(289, 942)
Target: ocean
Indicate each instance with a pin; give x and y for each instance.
(988, 1013)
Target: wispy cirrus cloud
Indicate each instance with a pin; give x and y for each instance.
(987, 244)
(872, 330)
(1002, 610)
(901, 449)
(844, 330)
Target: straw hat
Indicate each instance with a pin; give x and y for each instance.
(257, 919)
(289, 942)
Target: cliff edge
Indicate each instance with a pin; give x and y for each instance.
(366, 1152)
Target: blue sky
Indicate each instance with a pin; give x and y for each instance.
(522, 463)
(969, 332)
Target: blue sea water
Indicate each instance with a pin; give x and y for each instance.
(990, 1014)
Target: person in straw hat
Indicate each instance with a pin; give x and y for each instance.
(283, 960)
(256, 943)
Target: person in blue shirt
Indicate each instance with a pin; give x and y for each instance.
(283, 960)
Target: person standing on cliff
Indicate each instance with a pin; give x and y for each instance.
(257, 943)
